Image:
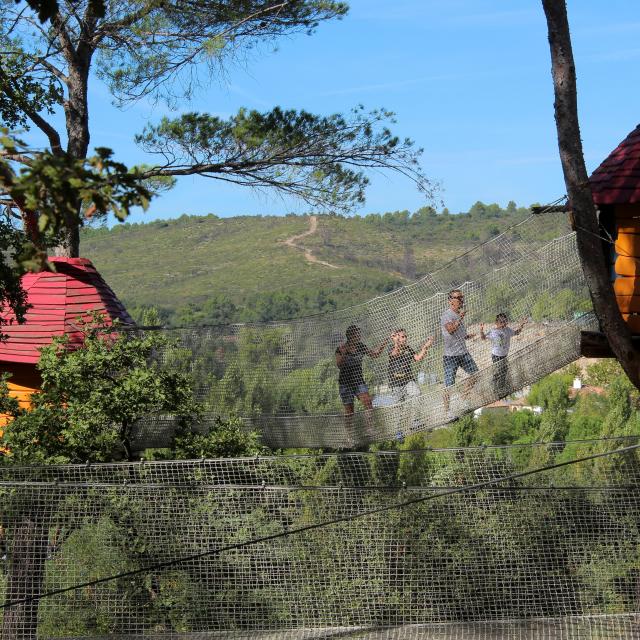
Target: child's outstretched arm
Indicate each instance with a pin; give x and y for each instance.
(520, 327)
(378, 350)
(423, 352)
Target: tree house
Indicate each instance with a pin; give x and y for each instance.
(59, 302)
(615, 185)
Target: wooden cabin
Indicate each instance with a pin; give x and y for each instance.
(59, 300)
(615, 185)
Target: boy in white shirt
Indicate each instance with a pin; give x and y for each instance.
(500, 337)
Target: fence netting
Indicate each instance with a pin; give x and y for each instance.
(226, 548)
(282, 378)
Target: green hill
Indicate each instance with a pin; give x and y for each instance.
(206, 270)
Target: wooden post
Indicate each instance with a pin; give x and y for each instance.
(594, 344)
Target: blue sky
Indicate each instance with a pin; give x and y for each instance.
(469, 81)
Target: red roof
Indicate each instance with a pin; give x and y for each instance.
(59, 302)
(617, 179)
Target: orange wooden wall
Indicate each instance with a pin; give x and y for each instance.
(24, 380)
(627, 264)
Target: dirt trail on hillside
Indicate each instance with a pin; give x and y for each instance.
(293, 242)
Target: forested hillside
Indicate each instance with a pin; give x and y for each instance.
(209, 270)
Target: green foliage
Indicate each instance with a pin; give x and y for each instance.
(29, 91)
(15, 253)
(465, 431)
(498, 428)
(293, 392)
(603, 372)
(47, 9)
(159, 61)
(508, 530)
(499, 298)
(238, 270)
(572, 370)
(244, 376)
(617, 416)
(524, 424)
(552, 392)
(561, 304)
(620, 405)
(265, 307)
(251, 384)
(47, 193)
(319, 159)
(218, 309)
(92, 397)
(52, 185)
(227, 439)
(141, 49)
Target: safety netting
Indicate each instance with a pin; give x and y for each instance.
(283, 378)
(538, 541)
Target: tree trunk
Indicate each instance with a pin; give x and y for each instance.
(27, 547)
(76, 111)
(69, 243)
(576, 180)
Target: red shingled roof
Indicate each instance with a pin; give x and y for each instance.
(617, 179)
(59, 300)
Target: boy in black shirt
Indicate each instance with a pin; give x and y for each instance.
(401, 359)
(351, 382)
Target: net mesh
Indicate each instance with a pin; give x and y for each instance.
(227, 548)
(282, 378)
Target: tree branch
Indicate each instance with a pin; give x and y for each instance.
(34, 116)
(52, 69)
(107, 29)
(15, 157)
(66, 44)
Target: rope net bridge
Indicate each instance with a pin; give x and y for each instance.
(281, 378)
(519, 542)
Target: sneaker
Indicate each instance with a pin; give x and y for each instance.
(451, 417)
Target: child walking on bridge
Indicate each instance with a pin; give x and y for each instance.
(351, 381)
(402, 380)
(500, 337)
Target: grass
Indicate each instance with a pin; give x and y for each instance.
(173, 263)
